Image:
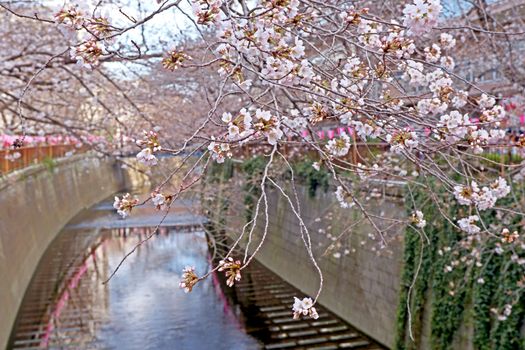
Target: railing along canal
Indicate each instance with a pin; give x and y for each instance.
(13, 159)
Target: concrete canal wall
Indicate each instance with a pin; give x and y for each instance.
(35, 203)
(362, 287)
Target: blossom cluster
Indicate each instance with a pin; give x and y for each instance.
(304, 307)
(125, 204)
(149, 144)
(174, 59)
(402, 140)
(232, 270)
(239, 127)
(188, 279)
(70, 15)
(468, 224)
(483, 198)
(160, 200)
(339, 147)
(87, 54)
(219, 150)
(418, 219)
(342, 196)
(422, 15)
(207, 11)
(89, 51)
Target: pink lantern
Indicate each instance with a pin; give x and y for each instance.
(331, 134)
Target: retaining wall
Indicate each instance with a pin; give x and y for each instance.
(35, 203)
(362, 286)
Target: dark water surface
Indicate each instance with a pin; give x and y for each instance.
(142, 307)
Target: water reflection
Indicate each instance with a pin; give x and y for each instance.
(67, 306)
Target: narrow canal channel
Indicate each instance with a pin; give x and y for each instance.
(67, 306)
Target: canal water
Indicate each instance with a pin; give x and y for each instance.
(67, 306)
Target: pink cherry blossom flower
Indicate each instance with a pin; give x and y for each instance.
(304, 307)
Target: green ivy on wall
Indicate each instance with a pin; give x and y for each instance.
(415, 246)
(455, 297)
(313, 179)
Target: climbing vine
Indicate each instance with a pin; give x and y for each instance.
(416, 254)
(455, 296)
